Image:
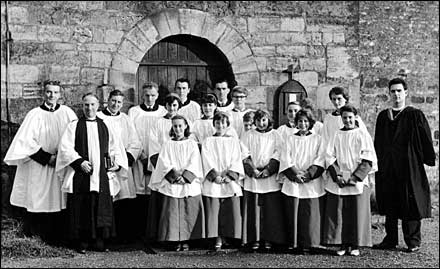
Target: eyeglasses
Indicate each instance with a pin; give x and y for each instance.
(239, 96)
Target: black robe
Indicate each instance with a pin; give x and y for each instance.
(402, 146)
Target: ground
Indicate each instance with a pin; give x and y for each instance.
(427, 257)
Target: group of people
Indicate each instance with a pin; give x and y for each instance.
(218, 170)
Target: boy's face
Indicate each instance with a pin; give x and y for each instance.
(262, 123)
(51, 94)
(348, 119)
(182, 89)
(248, 125)
(291, 111)
(208, 109)
(179, 127)
(338, 100)
(150, 96)
(220, 126)
(222, 90)
(303, 123)
(173, 107)
(115, 103)
(239, 99)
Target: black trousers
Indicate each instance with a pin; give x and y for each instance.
(411, 231)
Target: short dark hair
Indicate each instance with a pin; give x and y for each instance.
(249, 116)
(239, 89)
(208, 99)
(182, 80)
(339, 90)
(150, 85)
(293, 103)
(219, 116)
(169, 99)
(259, 114)
(305, 113)
(221, 80)
(115, 93)
(90, 94)
(307, 103)
(398, 81)
(51, 82)
(187, 130)
(348, 108)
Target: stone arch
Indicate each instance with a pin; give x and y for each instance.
(137, 41)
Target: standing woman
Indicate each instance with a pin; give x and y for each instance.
(263, 217)
(177, 177)
(221, 188)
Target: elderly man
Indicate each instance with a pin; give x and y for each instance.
(87, 163)
(34, 150)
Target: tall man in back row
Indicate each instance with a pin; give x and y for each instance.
(403, 144)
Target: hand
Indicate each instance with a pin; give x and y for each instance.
(226, 179)
(218, 180)
(263, 174)
(114, 167)
(299, 178)
(87, 167)
(52, 160)
(256, 173)
(351, 181)
(180, 180)
(340, 181)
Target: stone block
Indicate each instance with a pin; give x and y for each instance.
(126, 20)
(239, 23)
(23, 32)
(264, 50)
(149, 30)
(316, 51)
(327, 37)
(247, 79)
(240, 52)
(229, 41)
(354, 91)
(213, 30)
(314, 38)
(113, 36)
(297, 51)
(103, 19)
(131, 51)
(48, 33)
(244, 66)
(65, 74)
(308, 78)
(318, 65)
(417, 99)
(122, 63)
(322, 99)
(172, 15)
(64, 46)
(122, 80)
(17, 14)
(338, 64)
(261, 63)
(273, 78)
(256, 94)
(264, 24)
(161, 24)
(98, 47)
(15, 90)
(24, 73)
(75, 58)
(292, 24)
(277, 63)
(98, 34)
(31, 91)
(339, 38)
(191, 21)
(82, 34)
(101, 59)
(92, 75)
(139, 39)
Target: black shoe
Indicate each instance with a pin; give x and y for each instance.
(81, 250)
(413, 249)
(384, 245)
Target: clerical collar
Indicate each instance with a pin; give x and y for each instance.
(300, 134)
(107, 112)
(179, 139)
(219, 135)
(90, 119)
(347, 129)
(204, 117)
(336, 113)
(46, 107)
(151, 108)
(290, 125)
(228, 102)
(263, 131)
(186, 102)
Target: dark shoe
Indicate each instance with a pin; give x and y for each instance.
(255, 246)
(185, 247)
(81, 250)
(413, 249)
(177, 247)
(384, 245)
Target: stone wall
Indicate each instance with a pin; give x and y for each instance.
(359, 45)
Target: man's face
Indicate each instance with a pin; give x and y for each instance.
(222, 90)
(115, 103)
(150, 96)
(338, 100)
(182, 89)
(398, 94)
(90, 106)
(51, 94)
(348, 119)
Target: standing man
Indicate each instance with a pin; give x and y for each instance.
(222, 90)
(239, 96)
(88, 161)
(403, 144)
(34, 150)
(190, 109)
(129, 144)
(144, 116)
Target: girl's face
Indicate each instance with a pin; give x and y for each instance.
(179, 127)
(262, 123)
(220, 126)
(248, 125)
(208, 109)
(338, 100)
(173, 107)
(348, 119)
(291, 112)
(303, 124)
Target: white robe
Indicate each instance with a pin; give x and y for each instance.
(202, 129)
(191, 111)
(67, 155)
(334, 123)
(261, 147)
(36, 187)
(222, 154)
(236, 119)
(348, 149)
(286, 131)
(227, 108)
(178, 155)
(302, 152)
(126, 133)
(143, 120)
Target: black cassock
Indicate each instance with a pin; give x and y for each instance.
(402, 146)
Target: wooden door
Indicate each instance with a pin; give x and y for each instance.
(183, 56)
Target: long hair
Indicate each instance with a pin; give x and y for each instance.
(305, 113)
(259, 114)
(220, 116)
(187, 130)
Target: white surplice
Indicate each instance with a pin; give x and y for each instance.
(236, 119)
(201, 129)
(222, 153)
(36, 187)
(191, 111)
(125, 132)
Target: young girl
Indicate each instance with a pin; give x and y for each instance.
(351, 158)
(223, 171)
(301, 167)
(262, 210)
(289, 128)
(177, 177)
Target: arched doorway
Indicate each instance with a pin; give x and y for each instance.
(183, 56)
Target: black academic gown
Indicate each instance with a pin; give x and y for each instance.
(402, 146)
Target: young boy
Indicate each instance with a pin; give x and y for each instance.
(248, 121)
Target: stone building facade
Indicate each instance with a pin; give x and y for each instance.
(356, 44)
